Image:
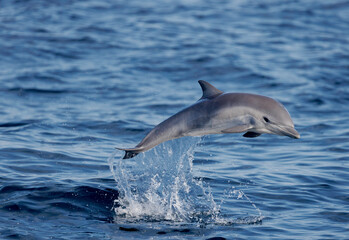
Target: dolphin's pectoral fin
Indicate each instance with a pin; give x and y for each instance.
(251, 135)
(237, 129)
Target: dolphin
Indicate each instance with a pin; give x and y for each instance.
(217, 112)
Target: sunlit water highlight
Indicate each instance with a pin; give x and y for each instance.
(159, 185)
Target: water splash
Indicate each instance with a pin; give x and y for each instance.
(159, 185)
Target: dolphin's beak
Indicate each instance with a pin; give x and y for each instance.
(285, 131)
(289, 132)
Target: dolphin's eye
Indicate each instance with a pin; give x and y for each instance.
(266, 119)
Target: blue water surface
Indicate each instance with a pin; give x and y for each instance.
(81, 77)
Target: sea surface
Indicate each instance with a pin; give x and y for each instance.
(79, 78)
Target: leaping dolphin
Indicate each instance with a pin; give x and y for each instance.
(217, 112)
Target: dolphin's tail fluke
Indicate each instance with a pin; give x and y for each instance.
(130, 152)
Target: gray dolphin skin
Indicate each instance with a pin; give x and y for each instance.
(217, 112)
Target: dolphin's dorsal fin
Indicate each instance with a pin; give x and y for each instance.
(209, 91)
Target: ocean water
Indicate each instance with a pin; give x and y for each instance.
(79, 78)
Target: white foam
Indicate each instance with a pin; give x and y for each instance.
(159, 185)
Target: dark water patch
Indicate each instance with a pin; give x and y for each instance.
(82, 200)
(22, 207)
(68, 207)
(200, 59)
(22, 91)
(97, 29)
(290, 197)
(44, 77)
(317, 101)
(200, 161)
(128, 229)
(337, 149)
(334, 169)
(62, 53)
(17, 124)
(8, 234)
(23, 153)
(342, 217)
(104, 197)
(186, 230)
(17, 188)
(89, 139)
(216, 238)
(335, 5)
(32, 169)
(49, 38)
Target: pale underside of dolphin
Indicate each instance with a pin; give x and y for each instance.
(217, 112)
